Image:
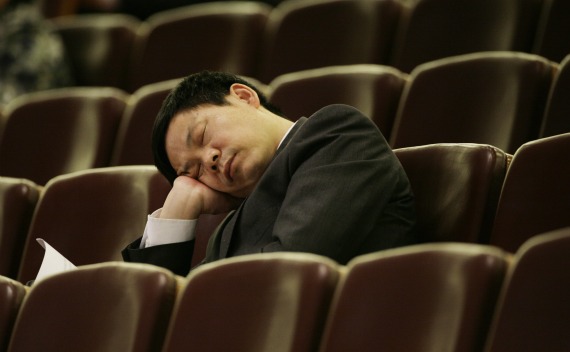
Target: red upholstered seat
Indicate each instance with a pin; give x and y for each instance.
(18, 199)
(306, 34)
(456, 189)
(430, 297)
(101, 307)
(90, 216)
(373, 89)
(495, 98)
(533, 313)
(54, 132)
(535, 195)
(258, 302)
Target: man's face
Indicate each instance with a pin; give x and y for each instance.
(225, 147)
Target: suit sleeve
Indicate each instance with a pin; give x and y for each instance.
(345, 184)
(177, 257)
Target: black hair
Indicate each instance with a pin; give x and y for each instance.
(203, 88)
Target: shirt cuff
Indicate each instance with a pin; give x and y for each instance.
(165, 231)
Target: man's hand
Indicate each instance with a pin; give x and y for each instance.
(189, 198)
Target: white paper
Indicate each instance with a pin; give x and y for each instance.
(53, 262)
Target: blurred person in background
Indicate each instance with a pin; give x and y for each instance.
(32, 57)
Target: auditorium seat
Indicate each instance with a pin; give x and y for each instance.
(551, 39)
(429, 297)
(456, 189)
(133, 145)
(373, 89)
(305, 34)
(215, 36)
(556, 118)
(12, 294)
(205, 227)
(18, 199)
(535, 194)
(101, 307)
(58, 131)
(533, 313)
(258, 302)
(495, 98)
(98, 46)
(90, 216)
(435, 29)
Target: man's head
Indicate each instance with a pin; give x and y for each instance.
(218, 129)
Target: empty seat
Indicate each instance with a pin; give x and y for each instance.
(456, 189)
(222, 36)
(430, 297)
(133, 146)
(90, 216)
(373, 89)
(54, 132)
(102, 307)
(435, 29)
(18, 198)
(495, 98)
(551, 41)
(533, 313)
(12, 294)
(258, 302)
(303, 34)
(535, 195)
(99, 47)
(556, 118)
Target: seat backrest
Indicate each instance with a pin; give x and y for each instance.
(553, 21)
(18, 199)
(215, 36)
(259, 302)
(306, 34)
(533, 313)
(205, 227)
(495, 98)
(430, 297)
(102, 307)
(98, 46)
(373, 89)
(133, 145)
(12, 294)
(90, 216)
(50, 133)
(536, 192)
(556, 119)
(456, 189)
(434, 29)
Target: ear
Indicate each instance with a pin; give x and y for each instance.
(245, 93)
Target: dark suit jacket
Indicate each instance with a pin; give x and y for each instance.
(334, 188)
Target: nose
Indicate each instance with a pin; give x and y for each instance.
(212, 158)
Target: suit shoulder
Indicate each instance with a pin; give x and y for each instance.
(337, 109)
(340, 116)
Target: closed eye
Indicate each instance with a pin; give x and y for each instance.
(203, 135)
